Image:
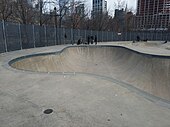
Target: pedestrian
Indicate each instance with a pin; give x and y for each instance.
(92, 40)
(65, 36)
(138, 38)
(88, 40)
(95, 40)
(79, 41)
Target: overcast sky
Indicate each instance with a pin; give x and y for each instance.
(110, 4)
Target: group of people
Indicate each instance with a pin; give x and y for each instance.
(90, 40)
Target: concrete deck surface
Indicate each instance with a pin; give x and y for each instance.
(78, 99)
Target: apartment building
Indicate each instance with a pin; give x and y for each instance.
(153, 14)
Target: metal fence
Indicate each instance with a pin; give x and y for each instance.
(18, 36)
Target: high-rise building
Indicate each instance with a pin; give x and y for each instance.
(80, 10)
(105, 6)
(120, 17)
(99, 7)
(153, 14)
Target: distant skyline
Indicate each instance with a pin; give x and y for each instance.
(110, 4)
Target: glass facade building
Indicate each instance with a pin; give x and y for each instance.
(99, 7)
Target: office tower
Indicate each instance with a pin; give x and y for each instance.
(99, 7)
(153, 14)
(80, 10)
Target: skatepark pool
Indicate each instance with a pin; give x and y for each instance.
(149, 73)
(112, 84)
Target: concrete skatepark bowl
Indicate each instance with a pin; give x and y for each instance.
(89, 86)
(149, 73)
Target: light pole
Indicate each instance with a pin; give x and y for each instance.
(55, 18)
(55, 22)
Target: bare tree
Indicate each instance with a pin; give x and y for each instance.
(100, 21)
(5, 9)
(63, 10)
(42, 11)
(77, 17)
(24, 13)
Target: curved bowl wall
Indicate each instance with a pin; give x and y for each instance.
(149, 73)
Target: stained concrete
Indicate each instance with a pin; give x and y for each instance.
(77, 99)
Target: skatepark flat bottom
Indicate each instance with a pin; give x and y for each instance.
(101, 86)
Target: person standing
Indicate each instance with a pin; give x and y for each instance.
(137, 38)
(95, 40)
(79, 41)
(92, 40)
(88, 40)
